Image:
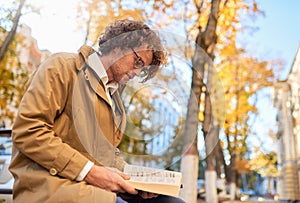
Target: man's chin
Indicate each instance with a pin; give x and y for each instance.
(123, 81)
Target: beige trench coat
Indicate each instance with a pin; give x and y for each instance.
(47, 152)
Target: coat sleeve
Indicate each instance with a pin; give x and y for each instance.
(43, 102)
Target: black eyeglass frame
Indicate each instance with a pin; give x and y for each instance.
(139, 63)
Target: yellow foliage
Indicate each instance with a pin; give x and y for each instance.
(265, 164)
(13, 76)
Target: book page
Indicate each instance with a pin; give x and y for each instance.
(152, 175)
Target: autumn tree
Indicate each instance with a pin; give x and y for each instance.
(13, 77)
(265, 164)
(9, 37)
(13, 74)
(243, 77)
(217, 26)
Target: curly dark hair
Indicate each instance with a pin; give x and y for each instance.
(127, 34)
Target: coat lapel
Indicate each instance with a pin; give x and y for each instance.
(98, 87)
(95, 83)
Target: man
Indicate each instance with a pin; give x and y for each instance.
(71, 119)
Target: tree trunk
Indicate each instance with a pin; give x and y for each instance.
(211, 195)
(87, 30)
(190, 159)
(219, 161)
(205, 42)
(221, 166)
(232, 177)
(233, 172)
(9, 38)
(189, 169)
(210, 126)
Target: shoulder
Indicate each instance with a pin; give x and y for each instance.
(59, 62)
(61, 59)
(57, 67)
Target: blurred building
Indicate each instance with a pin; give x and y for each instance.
(29, 53)
(287, 101)
(164, 102)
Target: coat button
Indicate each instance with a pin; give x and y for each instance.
(53, 171)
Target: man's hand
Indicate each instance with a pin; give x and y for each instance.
(109, 180)
(147, 195)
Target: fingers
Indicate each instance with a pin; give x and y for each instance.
(124, 176)
(147, 195)
(109, 180)
(120, 183)
(127, 188)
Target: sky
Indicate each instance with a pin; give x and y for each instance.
(55, 27)
(277, 36)
(279, 31)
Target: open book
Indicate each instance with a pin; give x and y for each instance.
(154, 180)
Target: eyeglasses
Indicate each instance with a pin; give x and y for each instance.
(139, 63)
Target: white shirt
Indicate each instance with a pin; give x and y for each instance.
(110, 88)
(95, 63)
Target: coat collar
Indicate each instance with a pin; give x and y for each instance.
(84, 52)
(81, 64)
